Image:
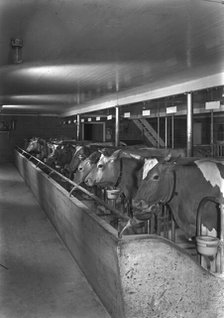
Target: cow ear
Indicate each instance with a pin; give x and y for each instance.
(116, 154)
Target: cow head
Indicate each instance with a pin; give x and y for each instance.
(80, 153)
(106, 171)
(85, 167)
(157, 186)
(33, 145)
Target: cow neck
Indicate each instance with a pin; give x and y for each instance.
(172, 186)
(120, 174)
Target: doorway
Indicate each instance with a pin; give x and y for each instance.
(93, 131)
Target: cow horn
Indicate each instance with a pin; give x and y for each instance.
(168, 157)
(115, 155)
(131, 155)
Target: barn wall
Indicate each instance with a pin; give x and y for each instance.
(27, 127)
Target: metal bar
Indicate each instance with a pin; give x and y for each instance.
(173, 230)
(113, 210)
(172, 132)
(117, 126)
(189, 125)
(74, 188)
(166, 132)
(212, 133)
(78, 128)
(158, 131)
(221, 236)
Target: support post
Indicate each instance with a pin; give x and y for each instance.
(221, 237)
(158, 131)
(117, 126)
(166, 132)
(78, 128)
(172, 145)
(212, 133)
(189, 125)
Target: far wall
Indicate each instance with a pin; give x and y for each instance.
(28, 127)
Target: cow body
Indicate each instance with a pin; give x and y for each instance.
(182, 187)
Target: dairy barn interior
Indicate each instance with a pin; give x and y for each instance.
(126, 89)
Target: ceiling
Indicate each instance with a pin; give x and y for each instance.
(85, 55)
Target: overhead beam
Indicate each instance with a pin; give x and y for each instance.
(147, 93)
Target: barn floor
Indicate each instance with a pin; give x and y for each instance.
(38, 276)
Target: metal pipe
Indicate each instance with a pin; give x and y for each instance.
(221, 206)
(189, 125)
(172, 134)
(158, 131)
(117, 126)
(166, 132)
(198, 223)
(114, 211)
(212, 133)
(78, 128)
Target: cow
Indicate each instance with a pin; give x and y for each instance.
(60, 156)
(119, 172)
(182, 186)
(38, 147)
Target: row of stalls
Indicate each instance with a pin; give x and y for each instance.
(129, 271)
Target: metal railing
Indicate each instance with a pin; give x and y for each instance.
(38, 163)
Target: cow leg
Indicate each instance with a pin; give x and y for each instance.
(129, 208)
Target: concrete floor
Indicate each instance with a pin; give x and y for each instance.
(38, 276)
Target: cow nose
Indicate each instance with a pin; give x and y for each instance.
(88, 182)
(137, 204)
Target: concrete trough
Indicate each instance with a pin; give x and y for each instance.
(136, 276)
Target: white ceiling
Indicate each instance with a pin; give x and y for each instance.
(83, 55)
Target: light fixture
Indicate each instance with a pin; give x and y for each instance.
(17, 45)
